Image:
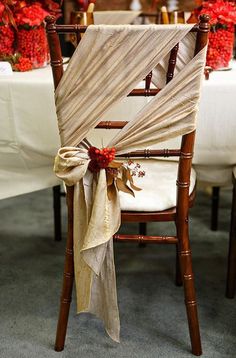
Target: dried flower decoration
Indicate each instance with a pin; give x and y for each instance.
(118, 174)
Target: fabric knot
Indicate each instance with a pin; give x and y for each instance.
(71, 164)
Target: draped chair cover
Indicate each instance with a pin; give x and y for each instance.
(108, 63)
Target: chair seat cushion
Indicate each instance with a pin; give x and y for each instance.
(158, 187)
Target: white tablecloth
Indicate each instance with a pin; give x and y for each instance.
(28, 132)
(29, 137)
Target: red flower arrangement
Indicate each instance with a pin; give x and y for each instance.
(6, 40)
(23, 64)
(30, 48)
(30, 16)
(221, 12)
(6, 31)
(222, 19)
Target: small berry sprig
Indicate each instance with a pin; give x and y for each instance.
(135, 169)
(100, 158)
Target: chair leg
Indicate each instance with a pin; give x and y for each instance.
(142, 232)
(68, 278)
(215, 207)
(178, 276)
(231, 274)
(57, 212)
(189, 289)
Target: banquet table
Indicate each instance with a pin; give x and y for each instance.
(29, 137)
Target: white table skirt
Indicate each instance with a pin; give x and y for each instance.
(29, 136)
(28, 132)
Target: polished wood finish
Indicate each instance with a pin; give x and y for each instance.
(231, 272)
(151, 153)
(178, 214)
(148, 81)
(68, 278)
(172, 63)
(57, 212)
(146, 239)
(139, 92)
(215, 198)
(184, 251)
(111, 124)
(142, 231)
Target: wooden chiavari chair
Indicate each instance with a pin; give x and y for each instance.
(178, 214)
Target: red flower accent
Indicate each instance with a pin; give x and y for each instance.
(220, 11)
(2, 8)
(6, 40)
(32, 15)
(33, 44)
(222, 19)
(24, 64)
(100, 158)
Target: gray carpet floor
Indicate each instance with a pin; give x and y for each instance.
(153, 319)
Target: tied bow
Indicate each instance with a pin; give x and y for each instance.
(72, 163)
(97, 218)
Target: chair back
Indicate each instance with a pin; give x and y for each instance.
(185, 153)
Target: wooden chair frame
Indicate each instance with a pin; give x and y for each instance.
(179, 214)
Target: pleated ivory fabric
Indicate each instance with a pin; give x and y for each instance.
(185, 54)
(108, 63)
(115, 17)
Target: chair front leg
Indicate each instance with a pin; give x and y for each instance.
(68, 279)
(188, 282)
(57, 212)
(215, 207)
(231, 274)
(178, 276)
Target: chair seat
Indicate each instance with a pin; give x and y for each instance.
(158, 187)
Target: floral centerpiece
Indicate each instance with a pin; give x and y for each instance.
(6, 29)
(31, 36)
(221, 38)
(22, 35)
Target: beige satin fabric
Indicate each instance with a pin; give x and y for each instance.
(115, 17)
(98, 76)
(185, 54)
(96, 220)
(108, 63)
